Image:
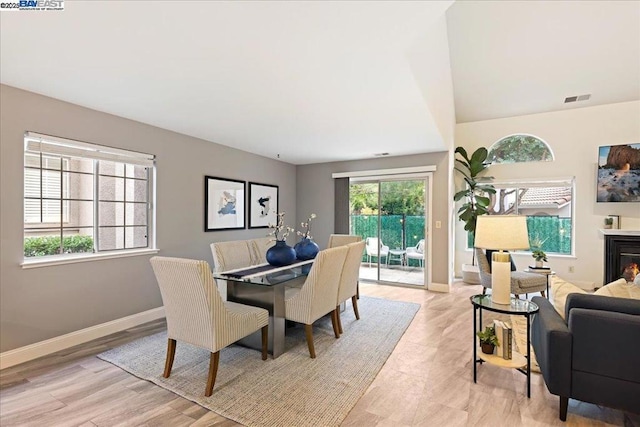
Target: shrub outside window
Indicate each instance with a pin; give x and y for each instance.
(84, 198)
(519, 148)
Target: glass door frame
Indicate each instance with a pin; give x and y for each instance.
(427, 178)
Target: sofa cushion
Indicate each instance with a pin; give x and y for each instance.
(621, 289)
(560, 288)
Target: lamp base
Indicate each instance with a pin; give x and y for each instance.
(501, 278)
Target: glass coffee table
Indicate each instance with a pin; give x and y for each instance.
(516, 307)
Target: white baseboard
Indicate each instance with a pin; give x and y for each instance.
(439, 287)
(43, 348)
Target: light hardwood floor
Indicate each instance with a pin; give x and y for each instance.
(427, 381)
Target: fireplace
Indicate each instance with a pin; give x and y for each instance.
(621, 257)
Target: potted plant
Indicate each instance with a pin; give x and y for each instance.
(540, 257)
(476, 201)
(488, 339)
(608, 222)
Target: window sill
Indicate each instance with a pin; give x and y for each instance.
(72, 259)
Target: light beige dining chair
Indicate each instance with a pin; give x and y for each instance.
(349, 279)
(259, 249)
(342, 239)
(196, 314)
(318, 294)
(230, 256)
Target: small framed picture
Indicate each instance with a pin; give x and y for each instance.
(263, 205)
(616, 221)
(223, 204)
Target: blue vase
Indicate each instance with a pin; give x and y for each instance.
(306, 249)
(281, 254)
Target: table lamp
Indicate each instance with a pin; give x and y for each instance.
(501, 232)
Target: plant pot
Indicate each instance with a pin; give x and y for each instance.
(306, 249)
(470, 274)
(539, 264)
(281, 254)
(487, 348)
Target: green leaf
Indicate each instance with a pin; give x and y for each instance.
(483, 201)
(460, 194)
(479, 156)
(462, 152)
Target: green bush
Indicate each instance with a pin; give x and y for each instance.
(50, 245)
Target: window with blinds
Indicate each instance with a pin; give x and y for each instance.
(85, 198)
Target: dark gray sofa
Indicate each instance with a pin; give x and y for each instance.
(595, 355)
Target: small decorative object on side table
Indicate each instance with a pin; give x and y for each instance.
(488, 339)
(518, 361)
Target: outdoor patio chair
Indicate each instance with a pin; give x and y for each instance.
(196, 314)
(416, 252)
(318, 295)
(375, 248)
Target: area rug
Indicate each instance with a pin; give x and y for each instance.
(291, 390)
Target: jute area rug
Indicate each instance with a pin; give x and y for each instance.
(291, 390)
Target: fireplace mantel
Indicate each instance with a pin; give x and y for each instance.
(614, 232)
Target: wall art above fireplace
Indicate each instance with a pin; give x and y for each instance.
(619, 173)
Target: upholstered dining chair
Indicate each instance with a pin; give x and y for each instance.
(318, 294)
(259, 249)
(375, 248)
(349, 279)
(342, 239)
(229, 256)
(521, 282)
(196, 314)
(416, 252)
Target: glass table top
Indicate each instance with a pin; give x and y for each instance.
(516, 306)
(270, 275)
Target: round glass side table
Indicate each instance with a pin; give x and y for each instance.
(516, 307)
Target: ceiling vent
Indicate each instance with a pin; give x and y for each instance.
(577, 98)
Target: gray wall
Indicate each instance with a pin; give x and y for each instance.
(315, 194)
(41, 303)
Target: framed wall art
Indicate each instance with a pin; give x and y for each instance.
(224, 207)
(619, 173)
(263, 205)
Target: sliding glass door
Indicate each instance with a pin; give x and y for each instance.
(390, 214)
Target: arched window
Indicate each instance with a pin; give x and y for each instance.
(520, 148)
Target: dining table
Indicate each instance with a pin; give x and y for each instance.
(264, 285)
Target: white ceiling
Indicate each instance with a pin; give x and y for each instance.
(510, 58)
(320, 81)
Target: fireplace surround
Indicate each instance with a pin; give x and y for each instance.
(621, 251)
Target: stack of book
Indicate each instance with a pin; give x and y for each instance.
(534, 268)
(504, 332)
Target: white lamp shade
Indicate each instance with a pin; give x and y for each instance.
(502, 232)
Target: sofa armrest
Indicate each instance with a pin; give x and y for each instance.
(552, 344)
(599, 302)
(605, 343)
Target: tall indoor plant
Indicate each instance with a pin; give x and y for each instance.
(477, 187)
